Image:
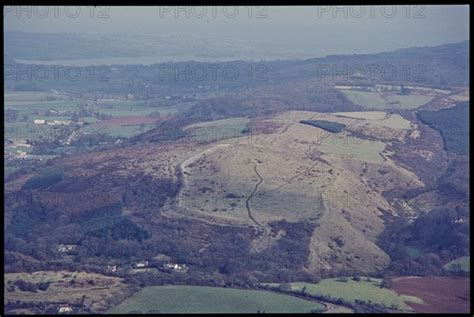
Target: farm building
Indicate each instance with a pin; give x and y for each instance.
(141, 264)
(176, 267)
(64, 308)
(66, 248)
(21, 154)
(112, 268)
(59, 122)
(343, 87)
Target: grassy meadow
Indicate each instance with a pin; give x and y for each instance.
(350, 290)
(201, 299)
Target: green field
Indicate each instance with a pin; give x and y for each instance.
(364, 150)
(28, 103)
(367, 115)
(201, 299)
(459, 265)
(217, 130)
(366, 99)
(407, 102)
(28, 96)
(25, 102)
(121, 108)
(18, 131)
(394, 121)
(360, 290)
(30, 106)
(378, 101)
(35, 105)
(379, 118)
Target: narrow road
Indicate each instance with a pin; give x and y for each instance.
(286, 128)
(287, 182)
(247, 202)
(329, 307)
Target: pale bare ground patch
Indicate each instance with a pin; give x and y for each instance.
(459, 98)
(206, 182)
(365, 115)
(226, 177)
(464, 96)
(349, 226)
(392, 121)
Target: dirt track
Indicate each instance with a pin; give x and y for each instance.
(247, 201)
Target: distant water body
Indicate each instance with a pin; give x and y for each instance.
(145, 60)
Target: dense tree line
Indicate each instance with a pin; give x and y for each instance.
(330, 126)
(439, 236)
(453, 124)
(45, 178)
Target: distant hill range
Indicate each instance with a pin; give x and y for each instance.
(443, 65)
(437, 66)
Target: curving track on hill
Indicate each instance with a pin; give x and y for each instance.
(249, 198)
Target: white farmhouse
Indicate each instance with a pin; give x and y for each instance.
(176, 267)
(112, 268)
(66, 247)
(64, 309)
(59, 122)
(21, 154)
(141, 264)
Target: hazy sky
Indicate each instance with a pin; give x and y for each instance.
(324, 30)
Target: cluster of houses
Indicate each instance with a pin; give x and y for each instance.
(72, 308)
(185, 97)
(55, 122)
(18, 154)
(374, 88)
(176, 267)
(208, 87)
(67, 248)
(169, 266)
(386, 88)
